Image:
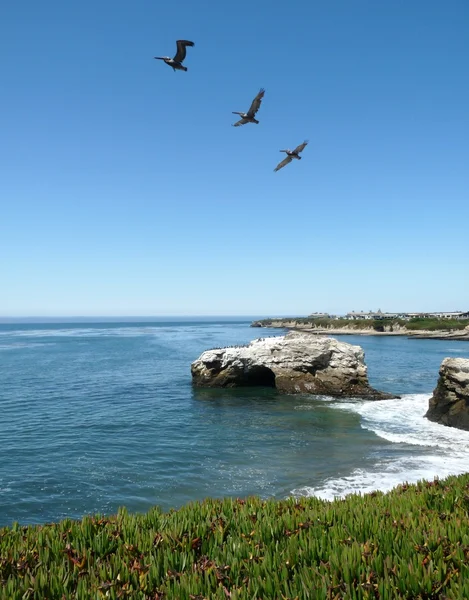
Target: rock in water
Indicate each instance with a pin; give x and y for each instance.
(294, 363)
(449, 404)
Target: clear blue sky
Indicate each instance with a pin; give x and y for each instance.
(124, 190)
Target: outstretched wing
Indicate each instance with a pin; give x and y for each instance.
(284, 162)
(300, 147)
(240, 122)
(181, 51)
(256, 103)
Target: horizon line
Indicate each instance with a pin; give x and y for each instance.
(132, 317)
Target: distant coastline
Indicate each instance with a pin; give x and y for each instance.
(354, 328)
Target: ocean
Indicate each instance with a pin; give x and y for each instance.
(95, 416)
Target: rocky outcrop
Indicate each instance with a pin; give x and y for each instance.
(449, 404)
(293, 363)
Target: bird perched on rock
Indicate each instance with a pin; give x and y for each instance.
(291, 154)
(176, 62)
(249, 116)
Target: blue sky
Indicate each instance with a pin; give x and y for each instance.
(124, 190)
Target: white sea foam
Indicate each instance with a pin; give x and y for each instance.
(403, 420)
(310, 406)
(444, 450)
(386, 476)
(21, 345)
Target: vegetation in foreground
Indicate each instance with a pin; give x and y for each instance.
(410, 543)
(417, 324)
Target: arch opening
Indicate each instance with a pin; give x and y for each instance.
(259, 376)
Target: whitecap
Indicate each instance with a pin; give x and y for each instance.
(403, 421)
(21, 345)
(387, 475)
(444, 450)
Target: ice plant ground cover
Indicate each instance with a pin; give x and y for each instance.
(412, 542)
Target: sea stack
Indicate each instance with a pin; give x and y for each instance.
(295, 363)
(449, 404)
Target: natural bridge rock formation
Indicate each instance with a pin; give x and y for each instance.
(449, 404)
(293, 363)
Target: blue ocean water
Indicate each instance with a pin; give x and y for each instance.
(100, 415)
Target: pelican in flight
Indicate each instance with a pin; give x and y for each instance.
(291, 154)
(176, 62)
(249, 116)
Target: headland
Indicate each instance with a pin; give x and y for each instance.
(413, 328)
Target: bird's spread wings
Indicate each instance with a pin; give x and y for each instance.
(256, 103)
(300, 147)
(284, 162)
(181, 49)
(240, 122)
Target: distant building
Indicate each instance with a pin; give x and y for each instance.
(372, 315)
(450, 315)
(318, 315)
(407, 316)
(358, 315)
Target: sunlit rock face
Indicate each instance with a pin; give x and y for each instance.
(449, 404)
(294, 363)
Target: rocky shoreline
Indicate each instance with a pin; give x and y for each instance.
(462, 334)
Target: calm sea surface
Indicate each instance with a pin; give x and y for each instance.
(101, 415)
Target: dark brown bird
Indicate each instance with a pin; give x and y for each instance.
(291, 154)
(176, 62)
(249, 116)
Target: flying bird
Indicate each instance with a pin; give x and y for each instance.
(291, 154)
(176, 62)
(249, 116)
